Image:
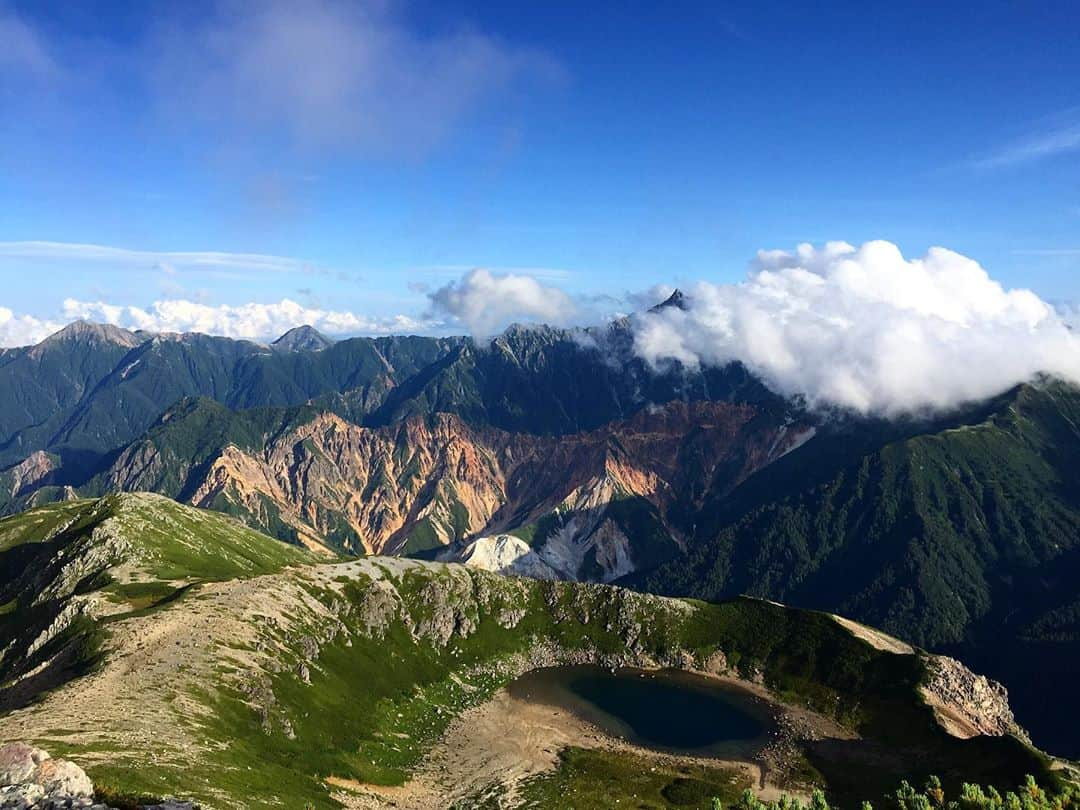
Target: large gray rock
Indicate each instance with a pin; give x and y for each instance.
(62, 778)
(31, 780)
(18, 761)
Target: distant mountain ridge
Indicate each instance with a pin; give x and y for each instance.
(87, 391)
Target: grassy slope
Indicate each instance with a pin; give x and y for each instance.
(377, 699)
(167, 541)
(601, 779)
(53, 556)
(925, 537)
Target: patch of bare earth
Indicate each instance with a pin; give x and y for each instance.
(875, 638)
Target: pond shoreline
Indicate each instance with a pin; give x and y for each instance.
(667, 711)
(499, 744)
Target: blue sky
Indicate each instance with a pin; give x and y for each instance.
(378, 151)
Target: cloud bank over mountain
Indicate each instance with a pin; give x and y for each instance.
(867, 329)
(858, 328)
(23, 330)
(252, 321)
(486, 303)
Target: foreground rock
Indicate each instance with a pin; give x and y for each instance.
(966, 704)
(30, 779)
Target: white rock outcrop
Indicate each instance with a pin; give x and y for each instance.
(503, 554)
(32, 780)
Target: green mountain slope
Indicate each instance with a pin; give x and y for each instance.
(131, 552)
(100, 387)
(966, 534)
(220, 664)
(91, 389)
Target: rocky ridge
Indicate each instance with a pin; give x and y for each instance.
(606, 502)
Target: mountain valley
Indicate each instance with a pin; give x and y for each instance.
(556, 454)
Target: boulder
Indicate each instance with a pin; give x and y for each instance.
(18, 761)
(62, 778)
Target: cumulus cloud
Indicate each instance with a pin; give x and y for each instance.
(332, 73)
(486, 302)
(251, 321)
(867, 329)
(24, 330)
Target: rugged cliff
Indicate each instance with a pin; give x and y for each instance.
(597, 505)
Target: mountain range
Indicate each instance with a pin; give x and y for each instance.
(560, 454)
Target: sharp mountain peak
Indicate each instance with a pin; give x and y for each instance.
(304, 338)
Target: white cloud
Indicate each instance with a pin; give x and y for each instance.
(487, 302)
(167, 261)
(866, 329)
(330, 73)
(24, 330)
(252, 321)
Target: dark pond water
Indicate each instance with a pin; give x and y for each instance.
(667, 710)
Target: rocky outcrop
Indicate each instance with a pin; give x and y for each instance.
(30, 473)
(966, 704)
(502, 554)
(597, 505)
(302, 339)
(32, 780)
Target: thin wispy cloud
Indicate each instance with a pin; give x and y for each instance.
(164, 260)
(345, 75)
(353, 76)
(1042, 145)
(23, 52)
(1048, 252)
(542, 273)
